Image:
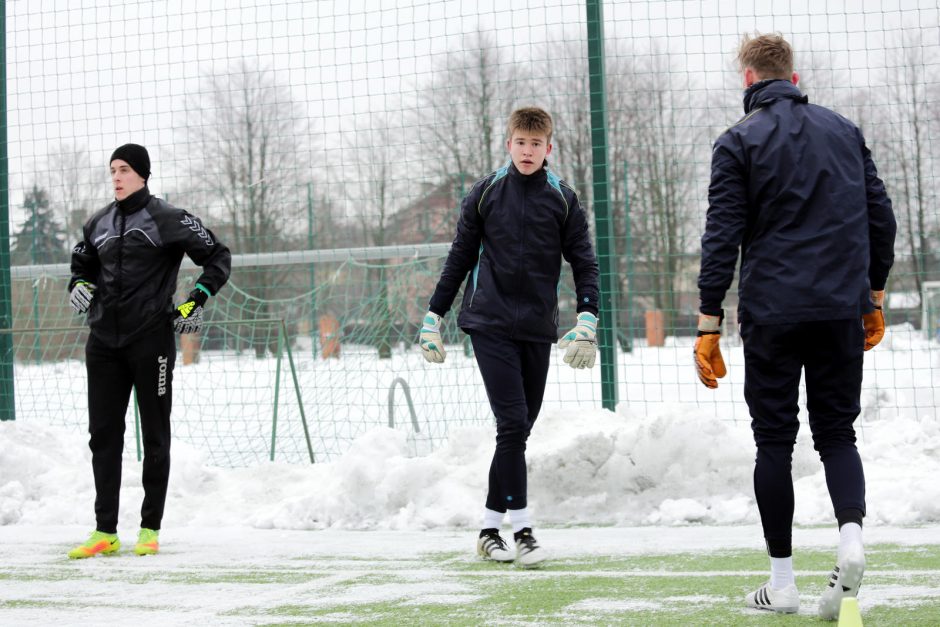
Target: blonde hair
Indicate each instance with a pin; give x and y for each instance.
(530, 120)
(770, 56)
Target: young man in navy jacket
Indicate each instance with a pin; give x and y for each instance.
(515, 226)
(794, 187)
(124, 276)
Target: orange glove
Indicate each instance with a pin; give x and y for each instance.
(874, 322)
(709, 364)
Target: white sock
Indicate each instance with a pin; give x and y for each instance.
(519, 519)
(850, 535)
(781, 572)
(492, 519)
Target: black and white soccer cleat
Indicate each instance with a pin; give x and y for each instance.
(845, 580)
(783, 601)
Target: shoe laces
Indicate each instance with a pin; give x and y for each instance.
(498, 539)
(527, 541)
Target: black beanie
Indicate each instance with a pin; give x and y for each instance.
(135, 156)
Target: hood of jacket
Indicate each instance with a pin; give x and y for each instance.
(771, 90)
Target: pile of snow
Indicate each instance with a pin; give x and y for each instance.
(585, 467)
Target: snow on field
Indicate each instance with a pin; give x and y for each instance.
(237, 575)
(669, 471)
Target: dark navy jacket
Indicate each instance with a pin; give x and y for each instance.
(132, 250)
(794, 187)
(512, 234)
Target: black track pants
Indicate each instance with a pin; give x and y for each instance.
(514, 374)
(830, 353)
(147, 365)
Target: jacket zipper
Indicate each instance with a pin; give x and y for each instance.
(520, 278)
(119, 279)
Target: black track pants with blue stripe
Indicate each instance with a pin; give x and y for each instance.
(514, 374)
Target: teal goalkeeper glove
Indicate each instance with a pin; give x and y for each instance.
(581, 342)
(431, 343)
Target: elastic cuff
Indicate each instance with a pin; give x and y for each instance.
(587, 308)
(203, 288)
(710, 323)
(710, 302)
(779, 548)
(850, 515)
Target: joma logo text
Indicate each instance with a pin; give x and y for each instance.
(161, 378)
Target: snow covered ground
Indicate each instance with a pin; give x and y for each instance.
(237, 575)
(652, 477)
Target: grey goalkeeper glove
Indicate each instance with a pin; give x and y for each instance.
(581, 342)
(187, 318)
(432, 346)
(81, 295)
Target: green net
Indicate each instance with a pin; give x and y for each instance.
(289, 378)
(329, 145)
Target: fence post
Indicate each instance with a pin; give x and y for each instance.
(311, 273)
(606, 250)
(300, 400)
(7, 401)
(277, 389)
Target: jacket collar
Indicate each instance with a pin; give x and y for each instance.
(135, 201)
(770, 90)
(539, 176)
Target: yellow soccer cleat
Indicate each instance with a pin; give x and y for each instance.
(147, 542)
(97, 542)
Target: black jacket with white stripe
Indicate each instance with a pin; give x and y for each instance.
(131, 250)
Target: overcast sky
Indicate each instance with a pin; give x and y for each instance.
(115, 71)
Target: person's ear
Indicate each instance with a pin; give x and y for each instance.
(795, 79)
(750, 77)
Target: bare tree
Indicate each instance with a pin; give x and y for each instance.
(906, 140)
(570, 107)
(248, 133)
(377, 181)
(657, 140)
(80, 188)
(249, 142)
(463, 108)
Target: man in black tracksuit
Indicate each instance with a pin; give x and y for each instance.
(515, 227)
(794, 187)
(124, 275)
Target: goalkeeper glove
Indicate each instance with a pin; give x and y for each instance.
(709, 364)
(81, 295)
(187, 318)
(431, 343)
(874, 322)
(581, 342)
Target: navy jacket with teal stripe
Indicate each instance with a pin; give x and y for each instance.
(513, 232)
